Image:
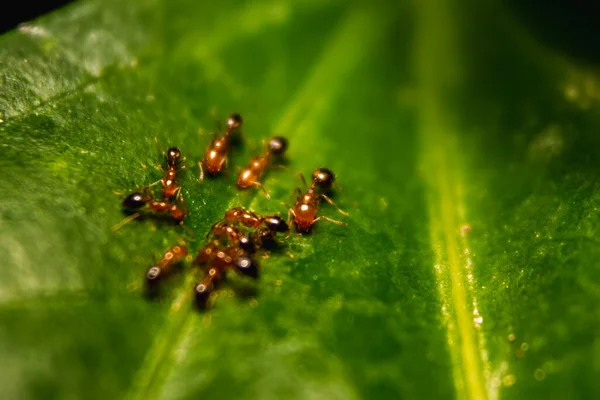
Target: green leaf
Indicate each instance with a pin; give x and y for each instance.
(467, 153)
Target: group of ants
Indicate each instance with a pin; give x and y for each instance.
(236, 239)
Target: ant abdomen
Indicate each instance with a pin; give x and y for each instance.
(278, 145)
(134, 201)
(202, 293)
(234, 121)
(154, 277)
(276, 224)
(247, 266)
(246, 243)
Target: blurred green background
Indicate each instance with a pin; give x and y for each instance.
(464, 135)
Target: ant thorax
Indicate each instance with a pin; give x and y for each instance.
(308, 197)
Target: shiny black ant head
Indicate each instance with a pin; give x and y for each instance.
(173, 155)
(234, 121)
(246, 243)
(323, 178)
(278, 145)
(202, 293)
(276, 224)
(247, 266)
(134, 201)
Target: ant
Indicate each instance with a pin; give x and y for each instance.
(267, 226)
(251, 175)
(156, 273)
(233, 234)
(252, 220)
(216, 152)
(137, 200)
(306, 205)
(170, 187)
(220, 262)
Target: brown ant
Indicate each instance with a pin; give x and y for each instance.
(306, 206)
(266, 226)
(170, 187)
(156, 273)
(216, 152)
(219, 261)
(251, 175)
(137, 200)
(232, 233)
(251, 219)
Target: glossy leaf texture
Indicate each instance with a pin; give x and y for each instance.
(467, 154)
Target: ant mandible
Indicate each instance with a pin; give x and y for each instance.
(137, 200)
(306, 206)
(216, 152)
(251, 175)
(156, 273)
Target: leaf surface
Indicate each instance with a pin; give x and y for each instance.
(467, 155)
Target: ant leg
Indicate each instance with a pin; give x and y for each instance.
(333, 204)
(260, 185)
(179, 197)
(290, 213)
(213, 226)
(201, 177)
(330, 220)
(189, 232)
(125, 221)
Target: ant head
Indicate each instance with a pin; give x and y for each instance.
(278, 145)
(134, 201)
(173, 155)
(323, 178)
(276, 224)
(246, 243)
(247, 266)
(234, 121)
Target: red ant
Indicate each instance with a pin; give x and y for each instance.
(174, 255)
(216, 152)
(253, 220)
(170, 187)
(233, 234)
(137, 200)
(306, 205)
(251, 175)
(267, 226)
(220, 261)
